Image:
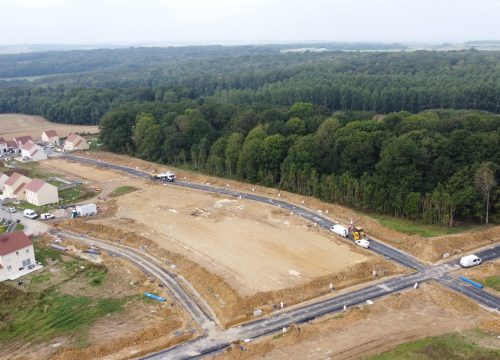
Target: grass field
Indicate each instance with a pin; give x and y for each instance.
(43, 311)
(122, 190)
(492, 282)
(31, 316)
(446, 347)
(419, 228)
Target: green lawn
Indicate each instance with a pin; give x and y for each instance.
(446, 347)
(37, 317)
(121, 190)
(492, 282)
(419, 228)
(42, 314)
(43, 253)
(19, 227)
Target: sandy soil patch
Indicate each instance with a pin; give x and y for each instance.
(238, 254)
(12, 125)
(254, 247)
(426, 249)
(429, 311)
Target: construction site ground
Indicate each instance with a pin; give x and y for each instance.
(430, 310)
(238, 254)
(487, 274)
(12, 125)
(426, 249)
(141, 327)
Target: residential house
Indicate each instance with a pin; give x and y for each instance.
(32, 151)
(15, 186)
(50, 137)
(21, 140)
(75, 142)
(12, 147)
(39, 192)
(3, 179)
(17, 256)
(3, 146)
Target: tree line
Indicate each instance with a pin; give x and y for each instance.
(345, 126)
(424, 166)
(80, 86)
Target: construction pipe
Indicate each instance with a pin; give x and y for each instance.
(472, 282)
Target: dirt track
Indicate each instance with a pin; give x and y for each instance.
(12, 125)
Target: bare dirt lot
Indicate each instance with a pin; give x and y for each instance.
(426, 249)
(12, 125)
(429, 311)
(246, 249)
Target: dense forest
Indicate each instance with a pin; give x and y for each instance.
(358, 128)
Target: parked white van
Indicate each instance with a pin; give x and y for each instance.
(470, 260)
(30, 214)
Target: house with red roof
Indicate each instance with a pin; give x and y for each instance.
(17, 256)
(50, 137)
(21, 140)
(75, 142)
(39, 192)
(15, 186)
(33, 152)
(12, 147)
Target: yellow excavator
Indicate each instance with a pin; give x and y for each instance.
(358, 233)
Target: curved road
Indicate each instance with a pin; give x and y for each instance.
(222, 339)
(201, 317)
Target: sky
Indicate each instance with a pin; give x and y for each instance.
(246, 21)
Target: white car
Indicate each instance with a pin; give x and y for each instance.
(363, 243)
(47, 216)
(11, 209)
(30, 214)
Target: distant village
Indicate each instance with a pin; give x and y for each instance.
(24, 149)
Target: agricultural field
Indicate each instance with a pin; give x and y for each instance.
(12, 125)
(82, 307)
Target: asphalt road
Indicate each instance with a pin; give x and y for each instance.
(382, 249)
(220, 340)
(200, 316)
(31, 227)
(480, 296)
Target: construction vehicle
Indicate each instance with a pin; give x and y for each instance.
(340, 230)
(358, 233)
(163, 175)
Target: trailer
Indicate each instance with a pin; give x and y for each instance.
(340, 230)
(85, 210)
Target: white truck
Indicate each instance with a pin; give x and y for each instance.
(470, 260)
(86, 210)
(340, 230)
(164, 176)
